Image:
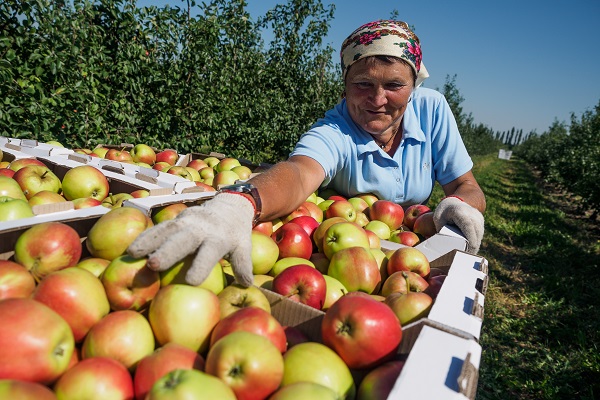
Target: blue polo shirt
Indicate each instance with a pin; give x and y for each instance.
(431, 150)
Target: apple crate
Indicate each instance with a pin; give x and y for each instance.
(256, 168)
(151, 204)
(129, 146)
(37, 149)
(10, 152)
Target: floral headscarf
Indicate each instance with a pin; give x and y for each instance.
(384, 38)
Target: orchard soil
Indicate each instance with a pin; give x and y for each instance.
(541, 327)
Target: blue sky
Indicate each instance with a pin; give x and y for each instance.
(521, 64)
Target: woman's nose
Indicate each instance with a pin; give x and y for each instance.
(378, 97)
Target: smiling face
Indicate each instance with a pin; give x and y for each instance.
(377, 93)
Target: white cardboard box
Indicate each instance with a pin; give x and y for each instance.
(37, 149)
(151, 203)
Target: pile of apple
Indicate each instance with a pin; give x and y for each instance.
(27, 182)
(209, 172)
(81, 319)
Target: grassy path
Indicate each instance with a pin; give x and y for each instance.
(541, 329)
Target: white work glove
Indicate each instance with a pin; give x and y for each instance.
(218, 228)
(468, 219)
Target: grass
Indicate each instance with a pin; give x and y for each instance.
(540, 334)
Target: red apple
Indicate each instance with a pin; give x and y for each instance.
(169, 156)
(424, 225)
(77, 296)
(125, 336)
(142, 153)
(344, 235)
(45, 197)
(374, 240)
(178, 305)
(248, 363)
(380, 381)
(170, 357)
(190, 384)
(302, 283)
(265, 227)
(197, 164)
(7, 172)
(307, 222)
(23, 162)
(36, 178)
(94, 378)
(407, 238)
(48, 247)
(85, 181)
(300, 211)
(85, 202)
(353, 327)
(15, 281)
(294, 336)
(140, 193)
(412, 213)
(36, 344)
(161, 166)
(254, 320)
(396, 283)
(409, 307)
(293, 241)
(121, 155)
(387, 211)
(113, 232)
(408, 259)
(22, 390)
(129, 283)
(341, 208)
(356, 268)
(435, 285)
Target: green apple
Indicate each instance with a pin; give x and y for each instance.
(304, 391)
(184, 384)
(85, 181)
(116, 200)
(242, 171)
(236, 296)
(9, 187)
(317, 363)
(263, 281)
(211, 161)
(12, 209)
(55, 143)
(168, 212)
(225, 178)
(356, 268)
(380, 228)
(227, 164)
(215, 281)
(46, 197)
(335, 290)
(35, 178)
(344, 235)
(94, 265)
(264, 254)
(287, 262)
(100, 151)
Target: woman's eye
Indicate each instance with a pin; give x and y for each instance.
(394, 86)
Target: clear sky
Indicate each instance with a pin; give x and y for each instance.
(521, 64)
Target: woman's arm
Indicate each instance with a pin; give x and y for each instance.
(466, 188)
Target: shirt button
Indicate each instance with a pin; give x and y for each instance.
(397, 179)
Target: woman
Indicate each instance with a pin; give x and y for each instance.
(387, 136)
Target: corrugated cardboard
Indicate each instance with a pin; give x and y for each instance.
(38, 149)
(148, 205)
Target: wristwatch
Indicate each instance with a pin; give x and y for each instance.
(247, 189)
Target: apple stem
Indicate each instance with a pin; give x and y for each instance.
(295, 292)
(405, 275)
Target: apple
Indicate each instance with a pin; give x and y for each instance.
(361, 219)
(85, 181)
(226, 164)
(396, 283)
(225, 178)
(129, 283)
(22, 390)
(45, 197)
(116, 200)
(380, 228)
(121, 155)
(186, 384)
(95, 265)
(142, 153)
(293, 241)
(264, 253)
(236, 296)
(175, 306)
(170, 357)
(206, 173)
(169, 156)
(168, 212)
(307, 222)
(387, 211)
(263, 281)
(314, 362)
(215, 281)
(23, 162)
(314, 211)
(212, 161)
(409, 259)
(36, 344)
(84, 151)
(324, 205)
(254, 320)
(320, 232)
(336, 197)
(15, 280)
(12, 209)
(412, 213)
(304, 391)
(10, 188)
(409, 307)
(194, 174)
(302, 283)
(435, 285)
(407, 238)
(320, 261)
(100, 151)
(424, 225)
(250, 364)
(286, 262)
(265, 227)
(354, 326)
(85, 202)
(359, 204)
(335, 290)
(7, 172)
(294, 336)
(114, 231)
(77, 296)
(242, 171)
(48, 247)
(344, 235)
(140, 193)
(161, 166)
(35, 178)
(370, 198)
(341, 208)
(374, 240)
(125, 336)
(180, 171)
(379, 382)
(356, 268)
(197, 164)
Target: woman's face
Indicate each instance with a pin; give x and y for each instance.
(377, 93)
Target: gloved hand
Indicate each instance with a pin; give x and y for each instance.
(218, 228)
(468, 219)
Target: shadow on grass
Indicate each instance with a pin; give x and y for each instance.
(542, 313)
